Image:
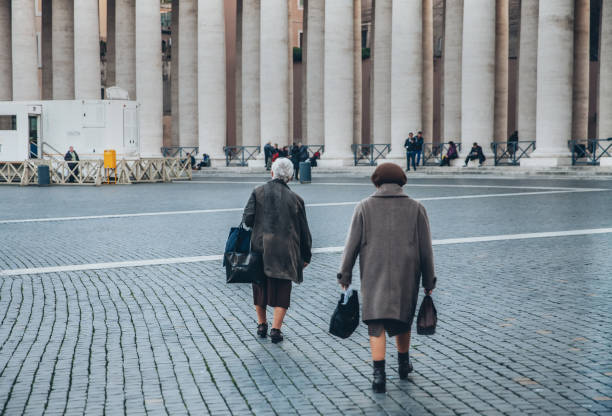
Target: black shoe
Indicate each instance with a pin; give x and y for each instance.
(276, 335)
(379, 384)
(262, 330)
(404, 367)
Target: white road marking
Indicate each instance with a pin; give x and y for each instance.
(408, 185)
(322, 204)
(337, 249)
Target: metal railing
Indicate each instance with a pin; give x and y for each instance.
(55, 156)
(12, 172)
(588, 152)
(240, 155)
(90, 171)
(510, 153)
(314, 148)
(179, 151)
(368, 154)
(433, 152)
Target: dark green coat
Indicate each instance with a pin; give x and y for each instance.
(280, 230)
(390, 234)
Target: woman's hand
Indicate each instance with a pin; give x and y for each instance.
(343, 286)
(305, 265)
(427, 292)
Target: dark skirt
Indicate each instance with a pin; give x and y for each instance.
(392, 326)
(273, 292)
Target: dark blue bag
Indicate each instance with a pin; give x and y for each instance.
(241, 264)
(345, 318)
(238, 241)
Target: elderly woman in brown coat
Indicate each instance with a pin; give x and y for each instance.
(280, 232)
(390, 234)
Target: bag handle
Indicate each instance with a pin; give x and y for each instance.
(347, 294)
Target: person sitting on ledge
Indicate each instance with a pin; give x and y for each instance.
(475, 153)
(451, 154)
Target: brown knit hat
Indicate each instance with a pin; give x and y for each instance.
(388, 173)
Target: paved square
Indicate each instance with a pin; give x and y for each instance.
(113, 301)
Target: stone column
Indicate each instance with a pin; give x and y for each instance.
(290, 100)
(149, 88)
(478, 75)
(110, 44)
(604, 128)
(187, 74)
(312, 121)
(174, 73)
(357, 74)
(274, 65)
(46, 46)
(63, 49)
(381, 72)
(428, 71)
(528, 65)
(24, 51)
(453, 35)
(212, 115)
(338, 83)
(555, 76)
(86, 50)
(406, 74)
(6, 66)
(580, 97)
(125, 51)
(251, 131)
(501, 70)
(238, 73)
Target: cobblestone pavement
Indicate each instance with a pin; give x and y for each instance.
(525, 325)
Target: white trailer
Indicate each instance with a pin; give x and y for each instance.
(29, 129)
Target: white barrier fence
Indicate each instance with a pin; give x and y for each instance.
(92, 172)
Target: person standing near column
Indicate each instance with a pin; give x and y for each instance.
(419, 147)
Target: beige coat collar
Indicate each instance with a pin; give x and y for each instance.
(389, 190)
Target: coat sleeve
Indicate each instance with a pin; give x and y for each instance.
(248, 217)
(351, 248)
(305, 237)
(428, 275)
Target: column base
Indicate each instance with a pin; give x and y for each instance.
(217, 162)
(605, 161)
(257, 163)
(545, 162)
(330, 163)
(400, 161)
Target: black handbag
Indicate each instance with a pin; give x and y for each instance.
(241, 264)
(345, 318)
(427, 317)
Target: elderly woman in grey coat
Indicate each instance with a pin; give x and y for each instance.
(280, 232)
(390, 234)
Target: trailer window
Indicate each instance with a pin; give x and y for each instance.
(8, 122)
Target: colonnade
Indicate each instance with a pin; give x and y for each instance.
(553, 70)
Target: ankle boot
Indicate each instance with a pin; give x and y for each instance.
(380, 378)
(276, 335)
(403, 365)
(262, 330)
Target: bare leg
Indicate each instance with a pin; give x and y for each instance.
(279, 316)
(261, 314)
(403, 342)
(377, 344)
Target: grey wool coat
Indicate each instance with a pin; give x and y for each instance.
(390, 234)
(280, 230)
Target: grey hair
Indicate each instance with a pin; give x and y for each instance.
(282, 168)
